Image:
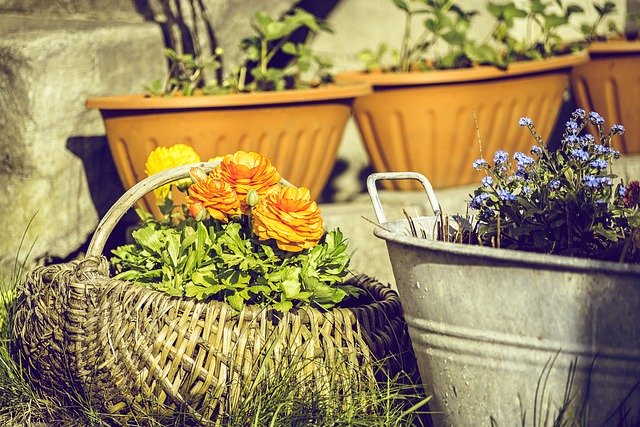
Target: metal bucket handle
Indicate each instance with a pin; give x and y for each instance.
(380, 176)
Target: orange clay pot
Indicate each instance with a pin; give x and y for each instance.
(298, 130)
(424, 121)
(610, 85)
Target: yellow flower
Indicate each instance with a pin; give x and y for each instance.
(246, 171)
(214, 195)
(290, 217)
(163, 158)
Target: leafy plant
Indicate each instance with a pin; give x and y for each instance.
(273, 37)
(593, 31)
(256, 243)
(446, 27)
(560, 202)
(444, 22)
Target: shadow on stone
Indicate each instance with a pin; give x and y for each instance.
(104, 184)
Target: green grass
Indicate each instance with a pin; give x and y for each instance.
(283, 400)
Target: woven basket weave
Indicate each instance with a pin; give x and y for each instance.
(122, 345)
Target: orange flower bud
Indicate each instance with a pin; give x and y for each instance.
(197, 174)
(198, 211)
(290, 217)
(252, 198)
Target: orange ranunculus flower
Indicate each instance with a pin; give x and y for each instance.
(246, 171)
(290, 217)
(216, 196)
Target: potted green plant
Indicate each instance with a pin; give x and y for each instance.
(241, 282)
(547, 273)
(608, 83)
(421, 114)
(259, 106)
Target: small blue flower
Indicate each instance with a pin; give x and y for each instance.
(537, 150)
(591, 181)
(571, 127)
(523, 160)
(596, 118)
(487, 181)
(505, 195)
(601, 149)
(500, 157)
(572, 140)
(477, 202)
(605, 181)
(599, 164)
(580, 154)
(479, 164)
(617, 130)
(526, 190)
(622, 191)
(554, 185)
(588, 139)
(525, 121)
(579, 113)
(597, 181)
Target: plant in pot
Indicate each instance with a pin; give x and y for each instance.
(241, 282)
(259, 106)
(421, 114)
(547, 273)
(608, 83)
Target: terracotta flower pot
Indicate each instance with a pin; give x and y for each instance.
(609, 84)
(299, 130)
(424, 121)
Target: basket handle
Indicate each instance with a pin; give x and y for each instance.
(380, 176)
(131, 197)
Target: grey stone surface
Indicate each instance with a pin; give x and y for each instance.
(52, 67)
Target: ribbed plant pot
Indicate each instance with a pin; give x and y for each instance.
(487, 324)
(424, 121)
(609, 84)
(298, 130)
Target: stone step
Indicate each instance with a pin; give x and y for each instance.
(50, 152)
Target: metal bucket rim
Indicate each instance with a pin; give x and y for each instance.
(544, 261)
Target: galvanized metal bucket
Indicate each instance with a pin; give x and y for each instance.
(498, 333)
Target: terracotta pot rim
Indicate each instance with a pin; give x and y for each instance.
(461, 75)
(615, 46)
(338, 91)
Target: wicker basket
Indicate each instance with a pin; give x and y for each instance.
(123, 345)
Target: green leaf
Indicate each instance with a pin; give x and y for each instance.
(235, 301)
(149, 239)
(290, 48)
(402, 5)
(283, 306)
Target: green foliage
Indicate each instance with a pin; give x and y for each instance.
(446, 25)
(593, 31)
(560, 202)
(210, 259)
(272, 37)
